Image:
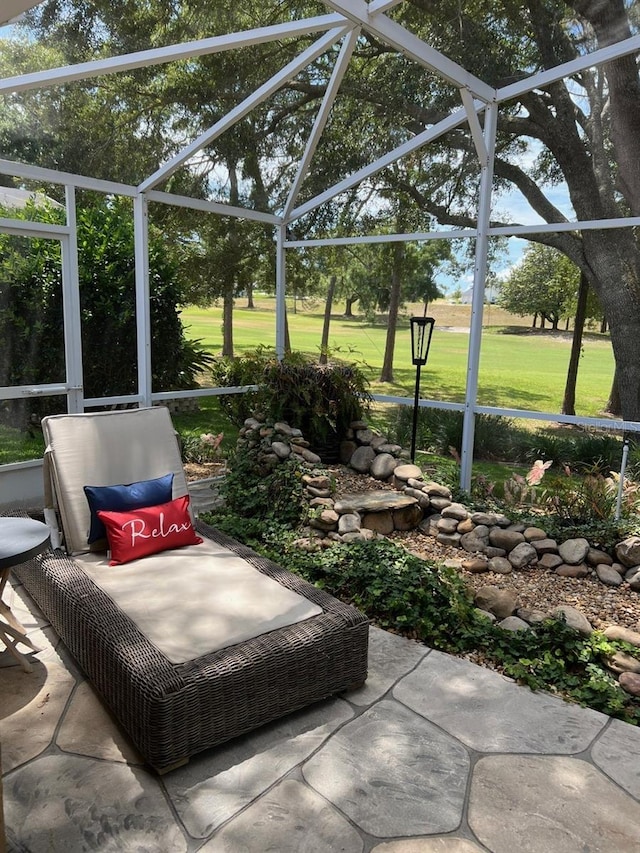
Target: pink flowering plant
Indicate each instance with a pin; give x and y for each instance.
(203, 447)
(522, 490)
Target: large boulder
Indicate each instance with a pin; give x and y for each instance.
(507, 539)
(362, 459)
(573, 617)
(523, 556)
(628, 551)
(574, 551)
(500, 602)
(383, 465)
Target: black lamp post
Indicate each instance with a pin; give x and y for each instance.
(421, 331)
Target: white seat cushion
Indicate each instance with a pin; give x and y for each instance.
(199, 599)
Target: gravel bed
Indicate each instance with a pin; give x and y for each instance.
(535, 588)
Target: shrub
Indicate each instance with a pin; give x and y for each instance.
(200, 447)
(439, 430)
(276, 497)
(602, 453)
(321, 400)
(247, 369)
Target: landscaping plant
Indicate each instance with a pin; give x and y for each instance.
(322, 400)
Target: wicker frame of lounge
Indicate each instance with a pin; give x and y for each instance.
(173, 711)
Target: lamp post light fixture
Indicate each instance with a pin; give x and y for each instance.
(421, 331)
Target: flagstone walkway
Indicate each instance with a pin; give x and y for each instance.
(432, 755)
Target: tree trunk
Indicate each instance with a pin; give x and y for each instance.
(610, 22)
(287, 338)
(569, 402)
(535, 319)
(348, 308)
(324, 344)
(250, 296)
(613, 406)
(615, 260)
(394, 306)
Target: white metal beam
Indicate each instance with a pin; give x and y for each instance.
(474, 125)
(339, 71)
(553, 227)
(281, 291)
(452, 121)
(214, 207)
(72, 322)
(409, 237)
(34, 229)
(568, 69)
(411, 46)
(257, 97)
(377, 6)
(171, 53)
(477, 304)
(37, 173)
(143, 311)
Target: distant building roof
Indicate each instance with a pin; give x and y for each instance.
(17, 199)
(490, 295)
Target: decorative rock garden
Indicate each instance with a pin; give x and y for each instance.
(487, 541)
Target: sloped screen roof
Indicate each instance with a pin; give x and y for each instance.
(10, 9)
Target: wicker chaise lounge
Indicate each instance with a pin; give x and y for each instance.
(194, 645)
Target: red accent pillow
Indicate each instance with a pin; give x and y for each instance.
(148, 530)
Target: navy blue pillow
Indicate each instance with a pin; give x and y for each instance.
(125, 497)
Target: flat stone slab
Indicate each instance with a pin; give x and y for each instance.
(492, 714)
(218, 784)
(66, 803)
(393, 773)
(31, 705)
(288, 819)
(543, 803)
(375, 501)
(390, 657)
(88, 729)
(617, 753)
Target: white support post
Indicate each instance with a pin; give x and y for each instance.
(477, 304)
(281, 280)
(143, 310)
(71, 309)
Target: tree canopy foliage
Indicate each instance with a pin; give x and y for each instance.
(545, 283)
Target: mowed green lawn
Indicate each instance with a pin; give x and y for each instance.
(520, 371)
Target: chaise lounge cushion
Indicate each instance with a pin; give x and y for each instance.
(193, 601)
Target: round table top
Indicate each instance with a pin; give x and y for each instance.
(21, 539)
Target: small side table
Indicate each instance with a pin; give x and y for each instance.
(20, 540)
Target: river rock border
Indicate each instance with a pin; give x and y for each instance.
(489, 541)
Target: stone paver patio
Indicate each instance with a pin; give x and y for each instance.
(432, 755)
